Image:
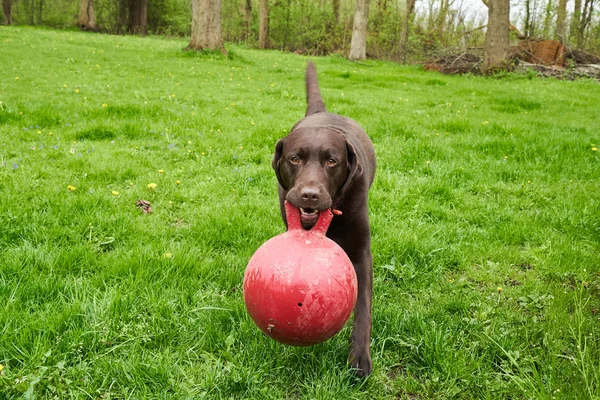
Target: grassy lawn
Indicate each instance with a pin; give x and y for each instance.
(485, 219)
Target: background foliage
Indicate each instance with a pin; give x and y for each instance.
(310, 27)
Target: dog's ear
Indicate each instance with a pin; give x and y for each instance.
(277, 161)
(354, 168)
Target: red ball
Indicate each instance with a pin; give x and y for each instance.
(300, 286)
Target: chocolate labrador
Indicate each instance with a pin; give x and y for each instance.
(328, 161)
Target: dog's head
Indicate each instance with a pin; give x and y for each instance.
(315, 167)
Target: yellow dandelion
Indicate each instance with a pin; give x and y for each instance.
(77, 90)
(104, 105)
(71, 188)
(152, 186)
(65, 85)
(39, 132)
(115, 193)
(50, 133)
(594, 149)
(16, 78)
(160, 171)
(499, 289)
(172, 96)
(428, 161)
(178, 182)
(167, 255)
(1, 367)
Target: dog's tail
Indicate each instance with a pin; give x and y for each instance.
(313, 94)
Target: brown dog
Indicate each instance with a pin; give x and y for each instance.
(328, 161)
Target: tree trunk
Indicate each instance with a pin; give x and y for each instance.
(358, 44)
(247, 19)
(561, 18)
(550, 7)
(206, 26)
(410, 7)
(576, 21)
(497, 40)
(527, 27)
(138, 16)
(584, 21)
(511, 26)
(441, 20)
(87, 19)
(7, 11)
(263, 24)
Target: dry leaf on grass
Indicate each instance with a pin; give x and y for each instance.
(144, 205)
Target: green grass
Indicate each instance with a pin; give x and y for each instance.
(485, 219)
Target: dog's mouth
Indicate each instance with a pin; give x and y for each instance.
(308, 217)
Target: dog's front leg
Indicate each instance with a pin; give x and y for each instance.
(360, 354)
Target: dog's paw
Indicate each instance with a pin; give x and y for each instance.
(360, 360)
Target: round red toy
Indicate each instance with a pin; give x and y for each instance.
(300, 286)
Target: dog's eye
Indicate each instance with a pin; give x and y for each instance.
(331, 162)
(295, 160)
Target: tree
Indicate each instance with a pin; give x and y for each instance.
(529, 25)
(585, 19)
(263, 24)
(441, 19)
(138, 16)
(561, 18)
(133, 16)
(86, 19)
(358, 44)
(247, 19)
(497, 38)
(206, 26)
(575, 21)
(410, 7)
(7, 11)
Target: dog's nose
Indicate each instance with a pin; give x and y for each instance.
(310, 195)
